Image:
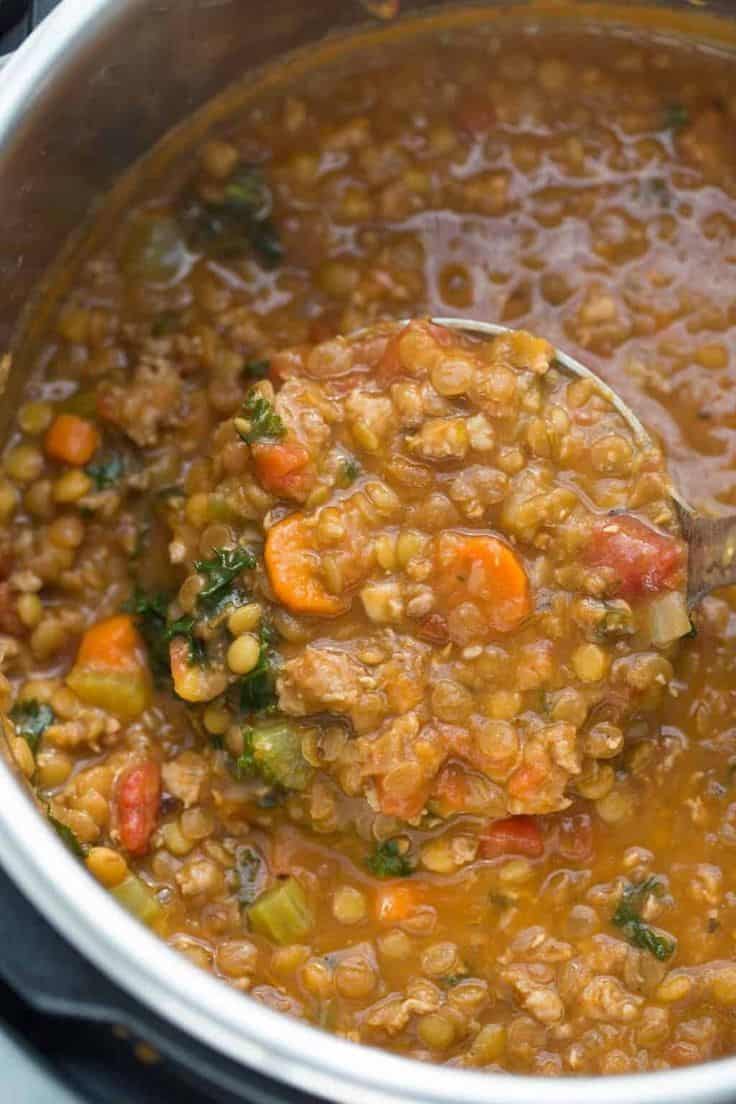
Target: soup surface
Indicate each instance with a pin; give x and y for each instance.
(328, 659)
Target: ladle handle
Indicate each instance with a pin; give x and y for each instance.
(711, 553)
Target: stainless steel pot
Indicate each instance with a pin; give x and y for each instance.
(88, 94)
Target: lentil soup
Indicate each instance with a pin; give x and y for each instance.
(349, 665)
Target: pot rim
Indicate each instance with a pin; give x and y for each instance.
(249, 1033)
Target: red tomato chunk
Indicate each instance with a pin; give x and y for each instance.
(515, 835)
(644, 560)
(137, 802)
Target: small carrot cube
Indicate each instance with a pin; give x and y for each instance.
(71, 440)
(110, 671)
(112, 643)
(396, 902)
(284, 468)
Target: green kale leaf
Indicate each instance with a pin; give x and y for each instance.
(388, 862)
(105, 471)
(628, 917)
(66, 836)
(220, 572)
(31, 719)
(239, 223)
(258, 420)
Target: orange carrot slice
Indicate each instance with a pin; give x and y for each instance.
(483, 569)
(71, 439)
(292, 563)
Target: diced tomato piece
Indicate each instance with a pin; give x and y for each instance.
(515, 835)
(389, 366)
(407, 805)
(137, 801)
(284, 468)
(453, 790)
(644, 560)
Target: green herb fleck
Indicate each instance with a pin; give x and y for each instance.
(675, 117)
(349, 471)
(245, 764)
(628, 917)
(257, 689)
(220, 572)
(66, 836)
(251, 871)
(265, 241)
(239, 223)
(388, 862)
(106, 471)
(31, 719)
(258, 420)
(617, 620)
(185, 626)
(257, 369)
(247, 190)
(149, 611)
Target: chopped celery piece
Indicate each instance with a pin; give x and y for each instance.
(138, 898)
(282, 913)
(274, 750)
(667, 618)
(123, 693)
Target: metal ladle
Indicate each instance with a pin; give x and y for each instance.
(711, 542)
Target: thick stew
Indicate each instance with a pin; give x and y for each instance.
(353, 658)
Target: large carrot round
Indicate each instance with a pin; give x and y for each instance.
(483, 569)
(292, 562)
(71, 439)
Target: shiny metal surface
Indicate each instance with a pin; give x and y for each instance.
(93, 88)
